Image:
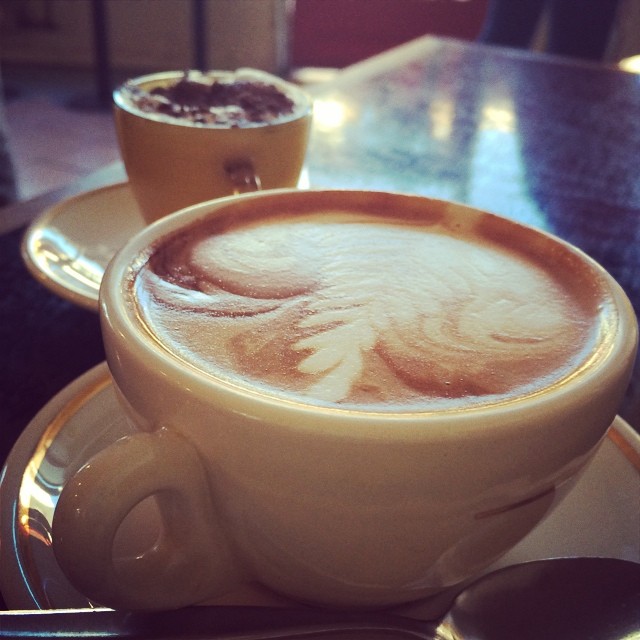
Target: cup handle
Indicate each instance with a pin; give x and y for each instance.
(243, 176)
(190, 561)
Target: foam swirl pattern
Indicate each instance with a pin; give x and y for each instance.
(341, 307)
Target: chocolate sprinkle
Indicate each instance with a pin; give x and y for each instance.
(221, 103)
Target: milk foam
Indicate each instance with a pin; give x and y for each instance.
(363, 310)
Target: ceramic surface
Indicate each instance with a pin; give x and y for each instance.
(172, 163)
(248, 470)
(69, 245)
(598, 518)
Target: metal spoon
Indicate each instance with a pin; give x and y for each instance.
(568, 599)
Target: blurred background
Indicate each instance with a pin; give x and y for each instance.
(61, 58)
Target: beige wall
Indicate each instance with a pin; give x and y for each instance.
(149, 34)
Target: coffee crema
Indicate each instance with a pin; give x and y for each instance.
(212, 100)
(371, 308)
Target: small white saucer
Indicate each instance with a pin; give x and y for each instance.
(68, 247)
(600, 517)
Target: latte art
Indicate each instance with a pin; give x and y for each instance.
(357, 309)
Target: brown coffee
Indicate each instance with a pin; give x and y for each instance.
(365, 305)
(200, 99)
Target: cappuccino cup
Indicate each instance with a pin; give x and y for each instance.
(189, 137)
(353, 399)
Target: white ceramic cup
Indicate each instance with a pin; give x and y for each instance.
(327, 503)
(172, 163)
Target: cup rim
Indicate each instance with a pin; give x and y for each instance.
(303, 101)
(610, 364)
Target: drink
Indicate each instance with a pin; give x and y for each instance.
(321, 379)
(211, 100)
(361, 306)
(189, 138)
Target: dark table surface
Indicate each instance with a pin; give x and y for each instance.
(546, 141)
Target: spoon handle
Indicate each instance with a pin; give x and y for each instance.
(214, 623)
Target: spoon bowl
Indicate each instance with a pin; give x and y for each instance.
(568, 598)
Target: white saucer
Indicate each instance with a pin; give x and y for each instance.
(68, 247)
(600, 517)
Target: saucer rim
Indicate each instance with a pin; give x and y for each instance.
(87, 300)
(47, 423)
(14, 584)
